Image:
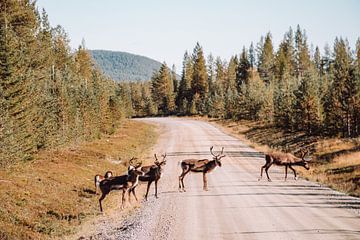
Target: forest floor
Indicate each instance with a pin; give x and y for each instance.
(54, 195)
(335, 162)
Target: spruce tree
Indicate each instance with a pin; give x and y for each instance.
(18, 25)
(302, 55)
(252, 58)
(231, 76)
(199, 83)
(340, 104)
(163, 90)
(309, 108)
(243, 70)
(266, 59)
(184, 94)
(317, 61)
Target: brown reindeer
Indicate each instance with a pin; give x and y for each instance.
(283, 159)
(203, 166)
(123, 182)
(153, 173)
(98, 178)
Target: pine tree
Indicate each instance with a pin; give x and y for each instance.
(163, 90)
(174, 79)
(252, 58)
(211, 72)
(302, 55)
(255, 103)
(18, 24)
(184, 94)
(356, 76)
(309, 115)
(317, 61)
(199, 83)
(285, 63)
(284, 101)
(340, 105)
(243, 70)
(266, 59)
(231, 76)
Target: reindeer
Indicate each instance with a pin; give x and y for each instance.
(98, 178)
(153, 173)
(203, 166)
(283, 159)
(123, 182)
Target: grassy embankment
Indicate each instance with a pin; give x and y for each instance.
(335, 162)
(54, 194)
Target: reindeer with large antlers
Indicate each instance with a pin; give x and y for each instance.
(203, 166)
(283, 159)
(123, 182)
(153, 173)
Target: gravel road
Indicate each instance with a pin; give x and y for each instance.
(237, 206)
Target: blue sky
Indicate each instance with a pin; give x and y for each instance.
(164, 29)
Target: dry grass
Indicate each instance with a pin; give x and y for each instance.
(335, 162)
(54, 194)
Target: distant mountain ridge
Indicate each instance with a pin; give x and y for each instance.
(122, 66)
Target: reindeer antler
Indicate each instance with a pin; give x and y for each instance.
(212, 151)
(156, 159)
(164, 156)
(131, 161)
(138, 165)
(303, 153)
(222, 150)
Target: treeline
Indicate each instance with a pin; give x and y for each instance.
(48, 94)
(293, 87)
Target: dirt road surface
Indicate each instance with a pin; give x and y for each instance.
(237, 205)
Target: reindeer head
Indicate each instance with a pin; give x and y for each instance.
(304, 162)
(133, 168)
(217, 158)
(108, 174)
(158, 163)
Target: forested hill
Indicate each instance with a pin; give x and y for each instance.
(125, 66)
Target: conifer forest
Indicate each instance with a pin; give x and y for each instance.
(51, 95)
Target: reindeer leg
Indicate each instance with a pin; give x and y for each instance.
(129, 192)
(205, 188)
(100, 200)
(123, 198)
(266, 171)
(293, 171)
(182, 179)
(156, 189)
(133, 191)
(286, 168)
(147, 190)
(261, 172)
